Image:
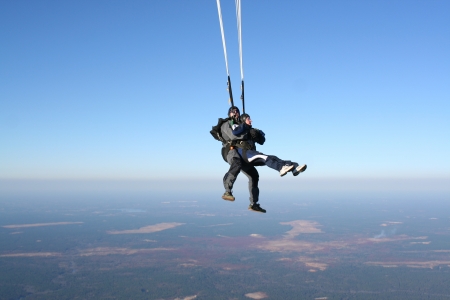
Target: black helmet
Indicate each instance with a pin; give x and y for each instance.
(244, 117)
(233, 108)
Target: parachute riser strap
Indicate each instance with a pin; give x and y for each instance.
(219, 10)
(242, 97)
(230, 91)
(239, 29)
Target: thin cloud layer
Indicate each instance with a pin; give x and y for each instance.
(301, 226)
(147, 229)
(40, 224)
(32, 254)
(256, 295)
(410, 264)
(119, 251)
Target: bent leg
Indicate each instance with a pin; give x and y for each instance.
(235, 167)
(253, 179)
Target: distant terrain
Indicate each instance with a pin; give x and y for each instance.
(206, 248)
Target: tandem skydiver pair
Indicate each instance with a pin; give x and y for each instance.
(239, 140)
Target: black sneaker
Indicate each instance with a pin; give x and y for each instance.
(257, 208)
(228, 196)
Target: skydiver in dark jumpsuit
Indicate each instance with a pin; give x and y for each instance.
(238, 130)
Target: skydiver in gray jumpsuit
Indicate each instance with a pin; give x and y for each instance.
(242, 156)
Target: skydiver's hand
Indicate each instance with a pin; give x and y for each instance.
(260, 131)
(254, 134)
(258, 136)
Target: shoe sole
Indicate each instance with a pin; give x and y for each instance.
(258, 211)
(228, 199)
(300, 171)
(287, 171)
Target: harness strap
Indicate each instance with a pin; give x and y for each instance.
(228, 147)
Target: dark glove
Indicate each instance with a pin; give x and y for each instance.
(254, 134)
(257, 136)
(262, 138)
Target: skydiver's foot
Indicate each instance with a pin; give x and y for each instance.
(256, 207)
(228, 196)
(298, 169)
(286, 169)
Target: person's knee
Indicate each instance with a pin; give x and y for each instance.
(255, 174)
(229, 178)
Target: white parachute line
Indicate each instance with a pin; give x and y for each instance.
(239, 28)
(223, 36)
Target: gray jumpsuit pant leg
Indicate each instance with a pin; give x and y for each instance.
(236, 166)
(230, 177)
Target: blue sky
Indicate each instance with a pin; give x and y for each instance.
(130, 89)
